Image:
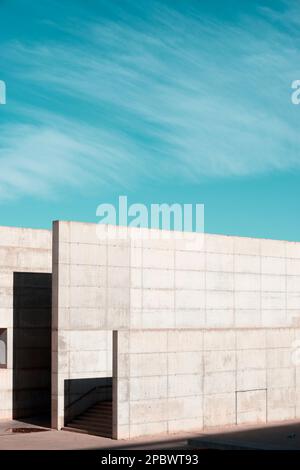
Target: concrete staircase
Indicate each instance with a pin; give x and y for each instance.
(95, 420)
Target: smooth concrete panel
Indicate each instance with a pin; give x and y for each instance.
(24, 251)
(251, 407)
(231, 281)
(192, 379)
(102, 282)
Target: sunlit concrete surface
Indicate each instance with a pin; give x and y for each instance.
(279, 435)
(22, 252)
(184, 380)
(182, 334)
(242, 287)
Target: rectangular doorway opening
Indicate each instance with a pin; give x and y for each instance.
(88, 405)
(32, 347)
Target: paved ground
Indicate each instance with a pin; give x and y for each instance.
(283, 435)
(66, 440)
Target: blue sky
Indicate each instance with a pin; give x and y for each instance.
(164, 101)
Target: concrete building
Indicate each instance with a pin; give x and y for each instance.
(149, 334)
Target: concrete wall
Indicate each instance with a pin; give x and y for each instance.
(21, 250)
(184, 380)
(103, 283)
(216, 281)
(81, 342)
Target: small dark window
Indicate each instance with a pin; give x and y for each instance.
(3, 348)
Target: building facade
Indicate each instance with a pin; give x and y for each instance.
(150, 333)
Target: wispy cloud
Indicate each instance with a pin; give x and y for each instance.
(43, 159)
(171, 95)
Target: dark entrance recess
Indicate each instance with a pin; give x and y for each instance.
(32, 347)
(88, 405)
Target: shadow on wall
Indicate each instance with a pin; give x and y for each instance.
(32, 347)
(81, 394)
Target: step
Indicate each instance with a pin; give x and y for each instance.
(81, 419)
(95, 417)
(105, 404)
(92, 422)
(107, 429)
(85, 431)
(98, 412)
(92, 429)
(92, 425)
(101, 407)
(94, 413)
(107, 409)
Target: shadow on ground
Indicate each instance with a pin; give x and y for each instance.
(275, 437)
